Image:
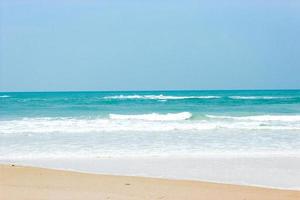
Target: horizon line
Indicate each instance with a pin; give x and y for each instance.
(167, 90)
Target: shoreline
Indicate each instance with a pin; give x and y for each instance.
(151, 177)
(21, 182)
(268, 172)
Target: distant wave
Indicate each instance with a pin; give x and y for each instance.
(4, 96)
(259, 97)
(159, 97)
(167, 97)
(154, 116)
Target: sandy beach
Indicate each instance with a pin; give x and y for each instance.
(18, 182)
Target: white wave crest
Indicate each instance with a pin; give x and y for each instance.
(4, 96)
(262, 118)
(148, 123)
(258, 97)
(154, 116)
(159, 97)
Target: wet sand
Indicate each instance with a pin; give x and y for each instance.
(18, 182)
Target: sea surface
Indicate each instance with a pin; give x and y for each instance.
(149, 123)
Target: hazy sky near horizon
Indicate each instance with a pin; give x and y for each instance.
(52, 45)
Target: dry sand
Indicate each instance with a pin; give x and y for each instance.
(17, 182)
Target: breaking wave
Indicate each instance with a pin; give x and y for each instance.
(148, 123)
(154, 116)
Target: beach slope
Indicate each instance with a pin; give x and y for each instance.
(18, 182)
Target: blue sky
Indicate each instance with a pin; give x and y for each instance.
(149, 45)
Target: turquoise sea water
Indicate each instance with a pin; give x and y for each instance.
(155, 123)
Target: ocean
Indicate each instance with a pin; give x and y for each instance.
(149, 123)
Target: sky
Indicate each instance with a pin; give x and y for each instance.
(74, 45)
